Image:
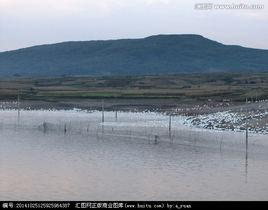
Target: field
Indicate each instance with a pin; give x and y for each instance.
(216, 87)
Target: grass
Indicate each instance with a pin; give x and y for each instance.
(199, 87)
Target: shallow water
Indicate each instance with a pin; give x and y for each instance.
(79, 158)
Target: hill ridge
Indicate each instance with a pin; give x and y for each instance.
(157, 54)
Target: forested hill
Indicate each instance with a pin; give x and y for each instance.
(160, 54)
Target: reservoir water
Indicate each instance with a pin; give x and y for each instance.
(73, 155)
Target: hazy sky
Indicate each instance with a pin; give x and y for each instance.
(31, 22)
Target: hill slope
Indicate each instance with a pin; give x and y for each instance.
(159, 54)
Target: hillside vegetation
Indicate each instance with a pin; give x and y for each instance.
(183, 87)
(155, 55)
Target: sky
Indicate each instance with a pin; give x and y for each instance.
(25, 23)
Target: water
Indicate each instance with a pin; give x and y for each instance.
(119, 159)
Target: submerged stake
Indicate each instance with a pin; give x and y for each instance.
(169, 125)
(18, 105)
(156, 139)
(246, 140)
(102, 119)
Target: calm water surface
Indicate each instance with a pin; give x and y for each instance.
(37, 165)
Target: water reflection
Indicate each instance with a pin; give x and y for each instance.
(246, 159)
(116, 163)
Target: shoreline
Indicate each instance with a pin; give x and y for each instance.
(215, 116)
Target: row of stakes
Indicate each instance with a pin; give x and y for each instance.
(156, 139)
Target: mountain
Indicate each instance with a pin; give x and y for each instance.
(160, 54)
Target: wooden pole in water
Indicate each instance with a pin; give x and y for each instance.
(65, 128)
(18, 105)
(169, 125)
(102, 119)
(156, 139)
(246, 141)
(116, 115)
